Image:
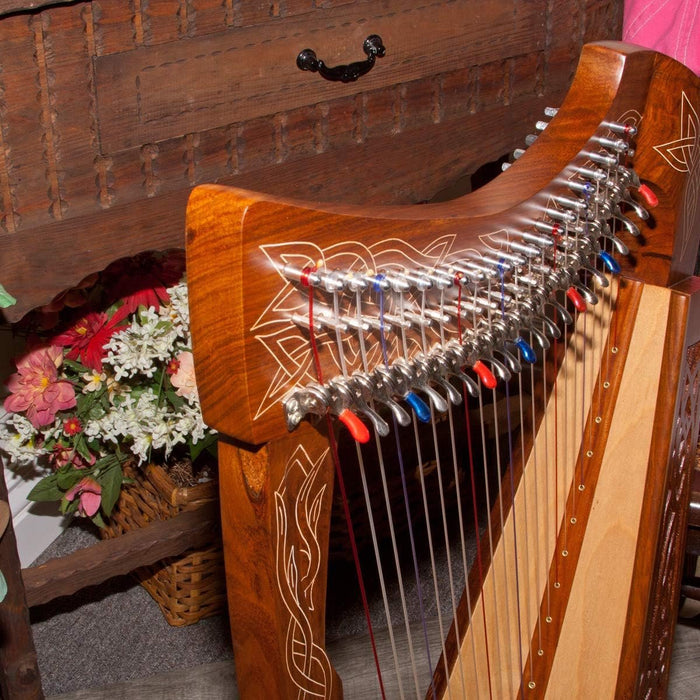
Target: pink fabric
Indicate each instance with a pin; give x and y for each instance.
(669, 26)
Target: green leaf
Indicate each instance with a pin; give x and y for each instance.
(177, 402)
(46, 490)
(69, 507)
(3, 587)
(75, 366)
(68, 478)
(6, 299)
(98, 520)
(198, 447)
(82, 449)
(111, 482)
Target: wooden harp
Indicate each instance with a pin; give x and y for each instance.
(557, 305)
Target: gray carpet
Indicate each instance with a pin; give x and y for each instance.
(108, 635)
(115, 632)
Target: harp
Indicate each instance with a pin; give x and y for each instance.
(533, 341)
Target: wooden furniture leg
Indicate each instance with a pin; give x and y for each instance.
(275, 510)
(19, 670)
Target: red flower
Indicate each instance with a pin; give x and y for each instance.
(87, 339)
(72, 426)
(143, 281)
(172, 367)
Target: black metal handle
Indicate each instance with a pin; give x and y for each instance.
(372, 46)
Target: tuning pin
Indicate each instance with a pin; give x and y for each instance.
(617, 145)
(620, 128)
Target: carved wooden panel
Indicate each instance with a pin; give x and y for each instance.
(111, 111)
(656, 654)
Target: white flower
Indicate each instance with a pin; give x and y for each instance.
(18, 440)
(141, 347)
(178, 312)
(93, 380)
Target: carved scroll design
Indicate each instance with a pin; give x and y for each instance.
(298, 503)
(683, 155)
(288, 347)
(656, 659)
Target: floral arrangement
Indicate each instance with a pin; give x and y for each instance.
(111, 386)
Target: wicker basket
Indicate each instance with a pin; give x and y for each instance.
(191, 586)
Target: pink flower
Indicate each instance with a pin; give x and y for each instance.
(36, 389)
(183, 379)
(87, 339)
(89, 492)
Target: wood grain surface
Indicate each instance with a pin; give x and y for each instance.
(111, 112)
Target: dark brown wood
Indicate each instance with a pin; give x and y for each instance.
(253, 71)
(441, 153)
(12, 6)
(19, 669)
(74, 149)
(115, 557)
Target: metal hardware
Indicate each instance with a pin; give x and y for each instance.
(372, 46)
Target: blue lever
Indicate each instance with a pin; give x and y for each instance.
(528, 354)
(421, 409)
(610, 263)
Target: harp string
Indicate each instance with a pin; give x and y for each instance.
(341, 483)
(510, 468)
(407, 506)
(450, 418)
(377, 555)
(438, 471)
(475, 512)
(460, 515)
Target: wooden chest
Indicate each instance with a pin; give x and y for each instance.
(111, 111)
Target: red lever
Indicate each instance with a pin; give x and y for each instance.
(576, 299)
(485, 374)
(356, 427)
(648, 196)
